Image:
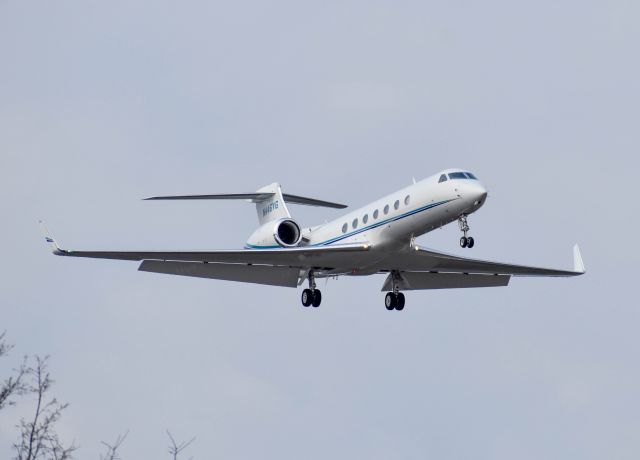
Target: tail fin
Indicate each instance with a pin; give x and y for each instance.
(273, 206)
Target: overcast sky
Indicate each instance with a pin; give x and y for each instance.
(104, 103)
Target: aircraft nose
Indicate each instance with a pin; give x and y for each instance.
(477, 193)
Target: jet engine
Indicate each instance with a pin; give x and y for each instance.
(280, 233)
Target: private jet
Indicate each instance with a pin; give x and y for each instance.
(377, 238)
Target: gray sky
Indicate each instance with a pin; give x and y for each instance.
(103, 103)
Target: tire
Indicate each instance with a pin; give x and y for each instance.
(470, 243)
(317, 298)
(306, 297)
(400, 304)
(390, 301)
(463, 242)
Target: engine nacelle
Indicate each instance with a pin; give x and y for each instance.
(280, 233)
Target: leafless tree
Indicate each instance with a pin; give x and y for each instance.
(38, 438)
(112, 449)
(14, 384)
(175, 448)
(4, 346)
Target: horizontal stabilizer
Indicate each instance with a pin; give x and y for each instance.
(254, 198)
(311, 201)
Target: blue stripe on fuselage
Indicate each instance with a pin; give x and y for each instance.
(363, 229)
(383, 222)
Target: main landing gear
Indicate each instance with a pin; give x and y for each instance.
(465, 241)
(311, 296)
(394, 300)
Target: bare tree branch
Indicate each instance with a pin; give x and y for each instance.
(14, 384)
(175, 448)
(5, 348)
(38, 438)
(112, 449)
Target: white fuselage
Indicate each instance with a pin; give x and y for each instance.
(376, 238)
(392, 221)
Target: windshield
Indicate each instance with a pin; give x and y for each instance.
(462, 175)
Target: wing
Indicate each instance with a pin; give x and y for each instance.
(421, 268)
(280, 267)
(325, 256)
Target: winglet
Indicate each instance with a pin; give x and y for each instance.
(49, 239)
(578, 264)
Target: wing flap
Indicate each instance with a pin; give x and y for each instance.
(258, 274)
(411, 281)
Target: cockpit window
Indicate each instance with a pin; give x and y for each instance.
(457, 175)
(471, 176)
(443, 178)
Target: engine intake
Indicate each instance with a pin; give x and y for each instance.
(287, 233)
(284, 233)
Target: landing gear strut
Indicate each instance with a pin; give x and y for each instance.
(465, 241)
(311, 296)
(394, 300)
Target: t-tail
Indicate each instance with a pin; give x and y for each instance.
(270, 201)
(272, 206)
(277, 228)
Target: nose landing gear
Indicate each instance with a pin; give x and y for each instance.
(465, 241)
(311, 296)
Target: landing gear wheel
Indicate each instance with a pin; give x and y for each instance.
(317, 298)
(465, 241)
(307, 297)
(390, 301)
(400, 304)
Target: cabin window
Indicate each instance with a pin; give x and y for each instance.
(354, 224)
(406, 200)
(344, 228)
(375, 214)
(386, 209)
(443, 178)
(396, 205)
(365, 218)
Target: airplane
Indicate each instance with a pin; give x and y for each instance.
(376, 238)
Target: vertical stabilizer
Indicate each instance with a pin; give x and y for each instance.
(273, 207)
